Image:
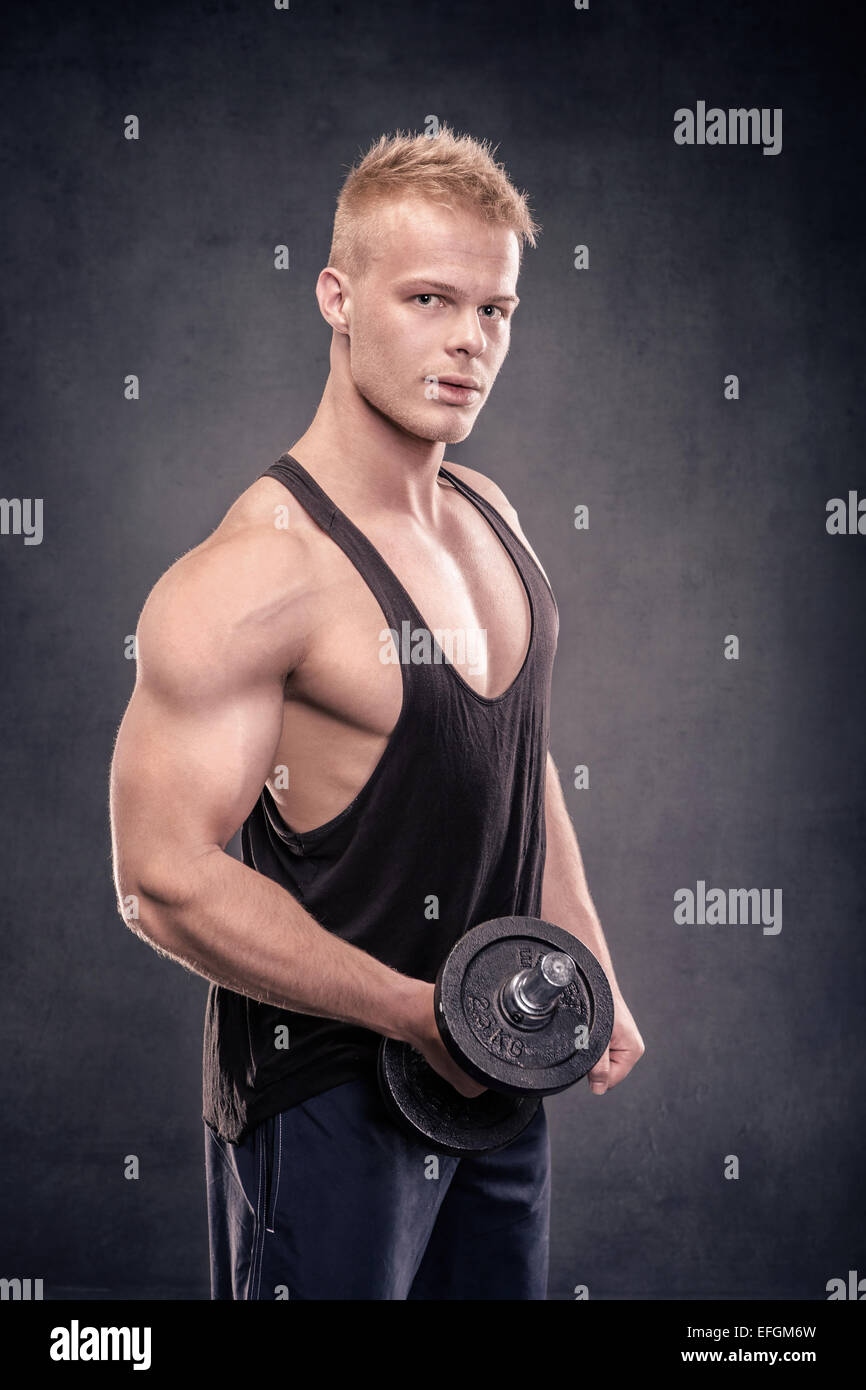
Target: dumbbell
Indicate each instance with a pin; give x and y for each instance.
(525, 1009)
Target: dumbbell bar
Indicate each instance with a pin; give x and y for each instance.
(526, 1010)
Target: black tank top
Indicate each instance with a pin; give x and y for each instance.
(448, 831)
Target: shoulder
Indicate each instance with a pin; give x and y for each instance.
(260, 548)
(486, 488)
(492, 493)
(241, 592)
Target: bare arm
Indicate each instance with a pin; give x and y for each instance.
(565, 895)
(216, 639)
(565, 899)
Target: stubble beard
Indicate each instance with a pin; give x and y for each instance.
(437, 424)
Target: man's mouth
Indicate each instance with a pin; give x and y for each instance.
(453, 390)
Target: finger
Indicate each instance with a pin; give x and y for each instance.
(599, 1076)
(621, 1063)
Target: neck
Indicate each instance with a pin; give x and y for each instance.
(364, 461)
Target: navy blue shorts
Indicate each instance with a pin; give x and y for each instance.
(331, 1200)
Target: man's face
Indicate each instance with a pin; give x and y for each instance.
(434, 306)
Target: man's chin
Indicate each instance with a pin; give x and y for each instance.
(451, 427)
(453, 436)
(440, 425)
(432, 432)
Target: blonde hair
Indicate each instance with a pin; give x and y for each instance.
(448, 169)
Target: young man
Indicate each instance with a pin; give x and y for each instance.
(387, 804)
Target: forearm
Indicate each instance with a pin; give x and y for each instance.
(241, 930)
(565, 898)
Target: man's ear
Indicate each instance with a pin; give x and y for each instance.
(332, 292)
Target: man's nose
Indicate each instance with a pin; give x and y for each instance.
(467, 334)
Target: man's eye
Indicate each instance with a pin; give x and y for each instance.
(426, 296)
(496, 310)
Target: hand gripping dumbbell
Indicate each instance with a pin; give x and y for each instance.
(525, 1009)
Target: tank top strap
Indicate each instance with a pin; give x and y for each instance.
(470, 492)
(523, 558)
(395, 601)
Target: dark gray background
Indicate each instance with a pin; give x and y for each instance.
(707, 518)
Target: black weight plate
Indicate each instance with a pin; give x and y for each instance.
(423, 1102)
(484, 1041)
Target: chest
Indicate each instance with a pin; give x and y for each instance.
(474, 613)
